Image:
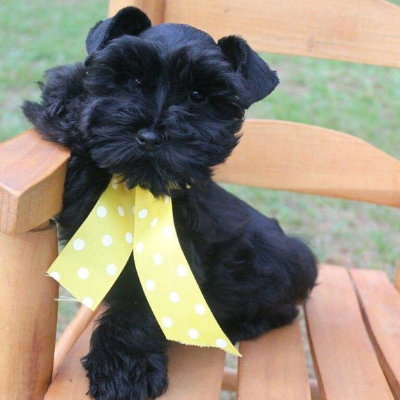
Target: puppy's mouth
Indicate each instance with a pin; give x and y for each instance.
(158, 184)
(159, 190)
(150, 172)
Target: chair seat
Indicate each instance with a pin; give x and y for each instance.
(353, 324)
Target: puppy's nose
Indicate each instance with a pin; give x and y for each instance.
(149, 140)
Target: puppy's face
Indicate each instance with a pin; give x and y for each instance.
(165, 103)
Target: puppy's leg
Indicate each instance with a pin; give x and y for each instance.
(58, 115)
(282, 275)
(127, 358)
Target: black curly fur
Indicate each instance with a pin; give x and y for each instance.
(190, 93)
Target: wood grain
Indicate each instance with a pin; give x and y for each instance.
(32, 173)
(28, 314)
(71, 335)
(273, 367)
(380, 304)
(309, 159)
(153, 8)
(347, 30)
(315, 392)
(229, 383)
(229, 380)
(344, 359)
(195, 373)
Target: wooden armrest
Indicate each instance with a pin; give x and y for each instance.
(32, 173)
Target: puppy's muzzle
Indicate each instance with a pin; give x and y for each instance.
(149, 140)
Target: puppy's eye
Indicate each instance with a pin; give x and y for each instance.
(197, 97)
(136, 83)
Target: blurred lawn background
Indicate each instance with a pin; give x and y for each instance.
(358, 99)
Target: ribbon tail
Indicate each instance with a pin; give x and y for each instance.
(95, 256)
(167, 280)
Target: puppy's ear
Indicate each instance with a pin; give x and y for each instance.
(259, 80)
(128, 21)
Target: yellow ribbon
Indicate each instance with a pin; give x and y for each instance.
(125, 220)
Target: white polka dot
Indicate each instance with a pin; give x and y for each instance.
(114, 184)
(88, 302)
(79, 244)
(111, 269)
(83, 273)
(133, 210)
(107, 240)
(221, 343)
(158, 258)
(150, 285)
(129, 237)
(143, 213)
(121, 211)
(166, 199)
(167, 322)
(102, 212)
(200, 309)
(139, 247)
(174, 297)
(193, 334)
(55, 275)
(154, 222)
(181, 271)
(168, 231)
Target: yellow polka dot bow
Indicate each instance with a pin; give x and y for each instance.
(123, 221)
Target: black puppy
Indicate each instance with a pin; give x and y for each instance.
(161, 106)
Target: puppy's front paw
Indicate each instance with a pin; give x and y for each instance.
(125, 376)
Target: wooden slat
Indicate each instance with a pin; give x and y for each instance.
(315, 392)
(229, 380)
(32, 173)
(71, 335)
(28, 313)
(229, 383)
(309, 159)
(194, 373)
(348, 30)
(273, 367)
(344, 358)
(380, 303)
(153, 8)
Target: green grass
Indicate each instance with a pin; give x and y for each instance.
(358, 99)
(39, 35)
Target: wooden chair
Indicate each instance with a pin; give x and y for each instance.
(353, 316)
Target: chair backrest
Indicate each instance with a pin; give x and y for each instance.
(286, 155)
(293, 156)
